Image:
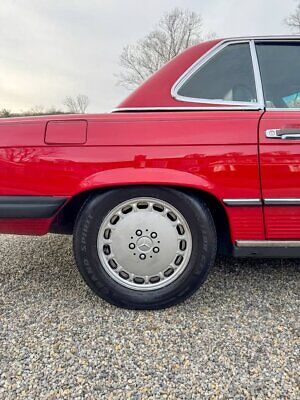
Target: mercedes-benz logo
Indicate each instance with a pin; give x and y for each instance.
(144, 244)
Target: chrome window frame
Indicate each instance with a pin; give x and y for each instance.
(191, 108)
(259, 104)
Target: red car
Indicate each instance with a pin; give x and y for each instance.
(203, 158)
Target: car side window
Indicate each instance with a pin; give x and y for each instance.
(227, 76)
(280, 72)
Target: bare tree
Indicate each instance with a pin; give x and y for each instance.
(33, 111)
(5, 113)
(293, 20)
(77, 105)
(175, 32)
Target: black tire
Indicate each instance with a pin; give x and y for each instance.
(204, 246)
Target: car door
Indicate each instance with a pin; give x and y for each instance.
(279, 137)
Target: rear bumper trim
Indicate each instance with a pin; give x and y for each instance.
(30, 206)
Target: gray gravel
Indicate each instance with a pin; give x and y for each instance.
(237, 338)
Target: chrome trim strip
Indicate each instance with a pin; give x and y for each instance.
(282, 202)
(267, 243)
(259, 202)
(257, 74)
(276, 38)
(282, 109)
(203, 60)
(242, 202)
(133, 109)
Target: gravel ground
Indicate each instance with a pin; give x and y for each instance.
(237, 338)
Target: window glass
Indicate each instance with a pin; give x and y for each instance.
(280, 71)
(228, 76)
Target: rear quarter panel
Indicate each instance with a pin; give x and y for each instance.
(211, 151)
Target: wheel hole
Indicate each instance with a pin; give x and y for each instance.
(106, 250)
(178, 260)
(124, 275)
(114, 219)
(142, 206)
(127, 210)
(171, 216)
(107, 234)
(180, 229)
(182, 245)
(158, 207)
(154, 279)
(113, 264)
(139, 280)
(168, 272)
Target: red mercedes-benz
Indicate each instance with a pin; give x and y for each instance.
(203, 158)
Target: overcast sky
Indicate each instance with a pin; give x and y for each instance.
(50, 49)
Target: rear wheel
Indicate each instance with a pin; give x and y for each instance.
(144, 247)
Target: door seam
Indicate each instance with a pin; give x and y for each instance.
(260, 174)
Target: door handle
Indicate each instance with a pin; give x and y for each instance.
(285, 134)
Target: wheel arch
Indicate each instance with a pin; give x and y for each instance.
(65, 219)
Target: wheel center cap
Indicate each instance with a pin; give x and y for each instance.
(144, 244)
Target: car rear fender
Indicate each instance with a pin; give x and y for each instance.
(145, 176)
